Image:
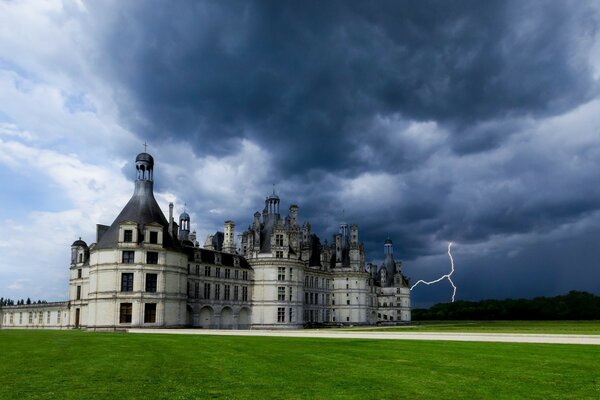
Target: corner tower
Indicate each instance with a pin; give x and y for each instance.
(138, 270)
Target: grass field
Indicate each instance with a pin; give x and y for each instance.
(82, 365)
(541, 327)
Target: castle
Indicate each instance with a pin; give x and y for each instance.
(148, 271)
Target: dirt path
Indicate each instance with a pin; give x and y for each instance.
(454, 336)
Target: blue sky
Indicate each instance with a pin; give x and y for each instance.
(472, 122)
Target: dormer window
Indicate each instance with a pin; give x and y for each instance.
(128, 235)
(153, 237)
(217, 258)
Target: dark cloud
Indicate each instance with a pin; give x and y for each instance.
(306, 79)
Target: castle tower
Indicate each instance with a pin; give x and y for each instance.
(229, 239)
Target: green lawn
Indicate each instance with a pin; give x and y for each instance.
(81, 365)
(553, 327)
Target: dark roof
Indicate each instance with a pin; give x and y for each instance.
(206, 256)
(388, 241)
(184, 215)
(142, 209)
(144, 157)
(78, 243)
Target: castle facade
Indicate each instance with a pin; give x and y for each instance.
(145, 270)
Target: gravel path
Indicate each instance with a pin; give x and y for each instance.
(454, 336)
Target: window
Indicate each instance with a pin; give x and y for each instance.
(217, 259)
(218, 272)
(127, 282)
(316, 298)
(236, 274)
(305, 297)
(244, 293)
(311, 282)
(206, 271)
(125, 313)
(227, 273)
(151, 257)
(291, 274)
(281, 274)
(207, 291)
(236, 262)
(128, 257)
(245, 275)
(128, 235)
(79, 273)
(279, 254)
(347, 302)
(197, 290)
(150, 313)
(291, 314)
(227, 293)
(280, 314)
(153, 237)
(278, 240)
(58, 317)
(80, 257)
(41, 317)
(291, 294)
(151, 282)
(217, 292)
(197, 270)
(281, 293)
(236, 292)
(78, 293)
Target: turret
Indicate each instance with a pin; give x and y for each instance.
(184, 226)
(293, 215)
(229, 239)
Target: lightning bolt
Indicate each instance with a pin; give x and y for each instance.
(447, 276)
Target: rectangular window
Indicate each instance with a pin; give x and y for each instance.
(305, 297)
(79, 273)
(128, 235)
(281, 293)
(227, 273)
(197, 290)
(291, 274)
(291, 314)
(128, 257)
(316, 298)
(291, 294)
(236, 293)
(278, 254)
(125, 313)
(348, 302)
(281, 274)
(281, 314)
(150, 313)
(78, 293)
(217, 292)
(127, 282)
(206, 271)
(152, 257)
(218, 272)
(244, 293)
(153, 237)
(227, 292)
(58, 317)
(245, 275)
(278, 240)
(207, 291)
(151, 280)
(236, 274)
(197, 270)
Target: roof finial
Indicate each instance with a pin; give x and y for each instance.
(273, 188)
(145, 147)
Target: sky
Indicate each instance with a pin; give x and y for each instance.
(475, 122)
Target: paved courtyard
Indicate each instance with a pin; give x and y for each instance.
(331, 334)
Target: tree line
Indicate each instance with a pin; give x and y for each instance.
(572, 306)
(10, 302)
